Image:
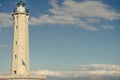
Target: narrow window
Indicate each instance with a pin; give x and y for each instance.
(16, 42)
(15, 56)
(17, 17)
(16, 27)
(15, 72)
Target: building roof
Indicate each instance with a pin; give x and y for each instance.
(21, 3)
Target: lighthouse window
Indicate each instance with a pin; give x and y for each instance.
(16, 27)
(17, 17)
(16, 42)
(22, 5)
(15, 72)
(15, 56)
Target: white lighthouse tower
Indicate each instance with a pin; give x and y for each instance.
(20, 54)
(20, 50)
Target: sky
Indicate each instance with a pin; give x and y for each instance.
(64, 34)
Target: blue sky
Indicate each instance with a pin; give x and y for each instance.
(65, 34)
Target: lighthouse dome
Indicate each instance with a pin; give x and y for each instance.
(21, 6)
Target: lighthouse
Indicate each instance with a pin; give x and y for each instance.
(20, 65)
(20, 51)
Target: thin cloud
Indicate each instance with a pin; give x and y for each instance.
(5, 20)
(99, 67)
(85, 14)
(108, 27)
(85, 70)
(82, 14)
